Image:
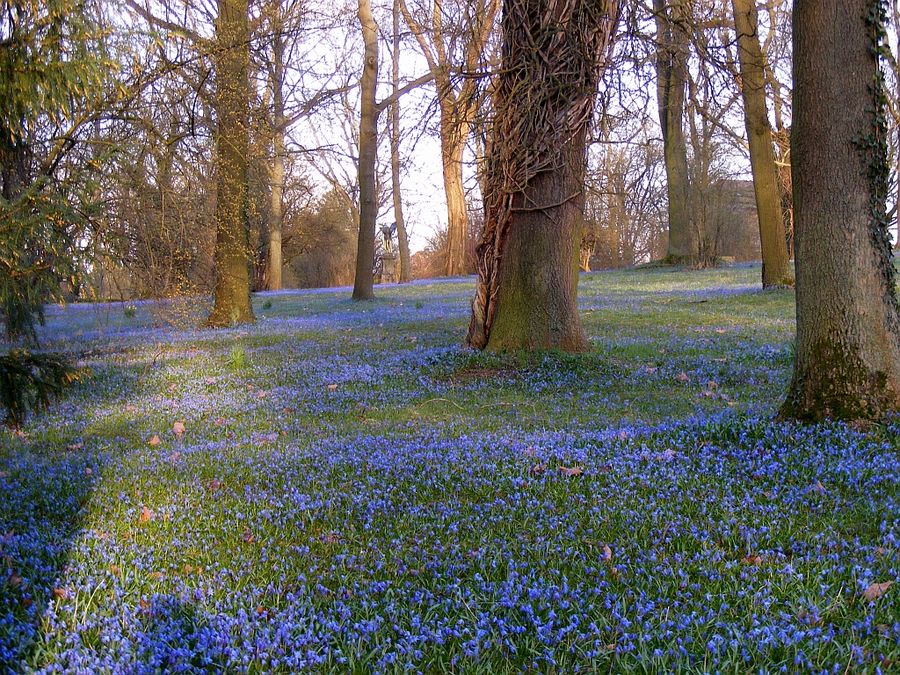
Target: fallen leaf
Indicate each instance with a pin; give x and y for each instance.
(178, 428)
(607, 553)
(174, 457)
(650, 369)
(248, 537)
(875, 591)
(144, 605)
(146, 515)
(154, 441)
(215, 485)
(188, 569)
(220, 421)
(172, 388)
(131, 408)
(75, 446)
(752, 559)
(331, 387)
(665, 456)
(60, 593)
(571, 471)
(332, 538)
(88, 471)
(15, 580)
(817, 486)
(114, 570)
(682, 377)
(538, 469)
(262, 394)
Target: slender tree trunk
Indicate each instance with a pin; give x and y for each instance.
(671, 84)
(276, 210)
(231, 61)
(847, 361)
(453, 145)
(363, 285)
(402, 238)
(775, 268)
(553, 55)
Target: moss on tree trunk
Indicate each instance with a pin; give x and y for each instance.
(848, 324)
(231, 59)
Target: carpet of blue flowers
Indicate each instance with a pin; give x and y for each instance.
(343, 487)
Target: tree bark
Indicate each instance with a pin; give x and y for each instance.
(231, 59)
(847, 362)
(454, 133)
(402, 238)
(276, 211)
(671, 82)
(775, 268)
(363, 285)
(554, 52)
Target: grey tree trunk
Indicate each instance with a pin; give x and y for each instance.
(848, 323)
(402, 238)
(276, 210)
(231, 59)
(553, 55)
(671, 83)
(775, 268)
(363, 285)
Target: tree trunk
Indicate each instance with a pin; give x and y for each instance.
(453, 144)
(368, 144)
(553, 55)
(847, 362)
(276, 211)
(231, 60)
(402, 238)
(775, 268)
(671, 83)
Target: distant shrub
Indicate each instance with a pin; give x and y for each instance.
(419, 304)
(267, 304)
(129, 311)
(29, 381)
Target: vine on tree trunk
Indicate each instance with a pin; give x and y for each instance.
(554, 52)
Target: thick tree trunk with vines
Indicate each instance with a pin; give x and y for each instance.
(775, 268)
(231, 59)
(363, 284)
(671, 85)
(554, 52)
(848, 322)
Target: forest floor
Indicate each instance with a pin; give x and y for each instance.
(343, 487)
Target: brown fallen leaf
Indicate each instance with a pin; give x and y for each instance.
(538, 469)
(75, 446)
(88, 471)
(14, 580)
(220, 421)
(262, 394)
(607, 553)
(60, 593)
(178, 429)
(131, 408)
(331, 387)
(571, 471)
(682, 377)
(154, 441)
(248, 537)
(752, 559)
(875, 591)
(146, 515)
